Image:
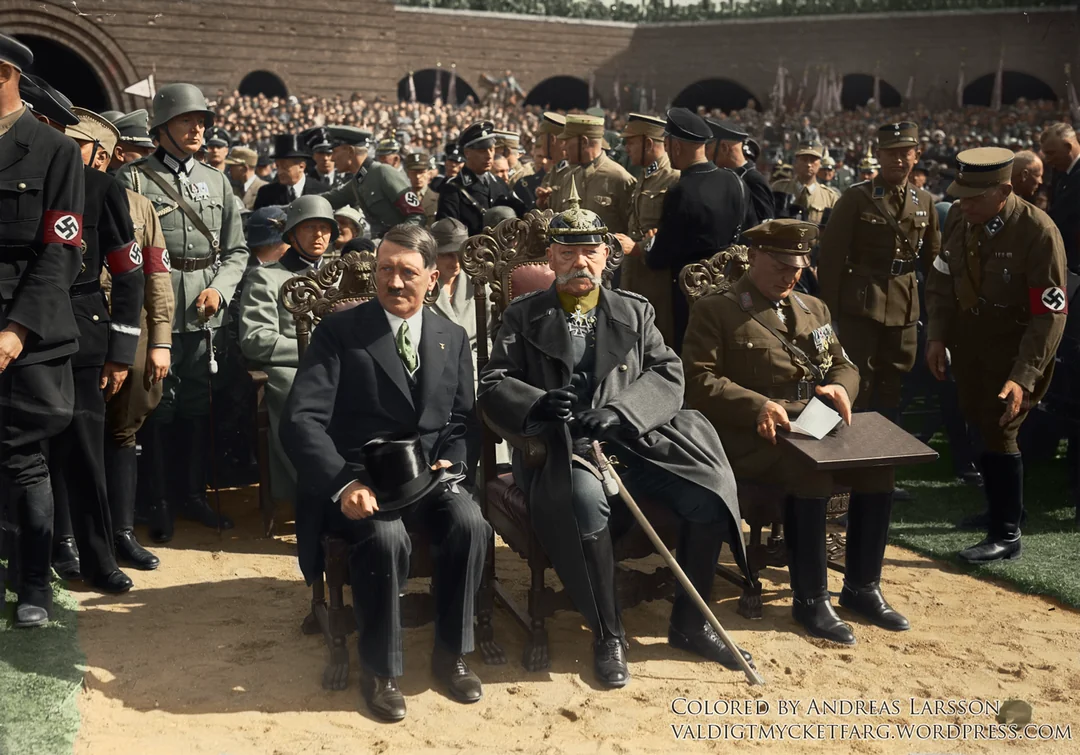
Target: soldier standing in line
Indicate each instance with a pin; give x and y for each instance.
(808, 194)
(39, 259)
(604, 185)
(207, 254)
(135, 141)
(644, 140)
(508, 145)
(730, 153)
(217, 147)
(549, 195)
(997, 304)
(419, 167)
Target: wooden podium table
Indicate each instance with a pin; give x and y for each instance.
(869, 441)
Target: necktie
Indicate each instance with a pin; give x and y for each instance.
(292, 193)
(405, 348)
(899, 199)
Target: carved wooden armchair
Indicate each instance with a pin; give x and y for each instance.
(505, 262)
(760, 505)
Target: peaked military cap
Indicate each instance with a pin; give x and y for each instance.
(288, 146)
(93, 128)
(902, 134)
(15, 53)
(589, 126)
(687, 126)
(452, 153)
(981, 169)
(418, 161)
(46, 101)
(511, 139)
(552, 123)
(388, 146)
(726, 131)
(787, 240)
(812, 149)
(574, 225)
(111, 115)
(318, 139)
(350, 135)
(479, 135)
(133, 128)
(638, 124)
(751, 150)
(216, 136)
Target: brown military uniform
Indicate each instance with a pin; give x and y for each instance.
(558, 180)
(1008, 325)
(815, 200)
(870, 250)
(129, 408)
(606, 188)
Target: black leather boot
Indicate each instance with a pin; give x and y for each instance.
(1004, 478)
(804, 534)
(609, 643)
(867, 534)
(65, 559)
(151, 479)
(121, 472)
(196, 434)
(697, 553)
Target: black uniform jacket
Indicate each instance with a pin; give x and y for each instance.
(761, 196)
(278, 193)
(109, 241)
(351, 387)
(41, 229)
(466, 196)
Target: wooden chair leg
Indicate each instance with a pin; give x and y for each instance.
(490, 651)
(535, 657)
(339, 618)
(311, 624)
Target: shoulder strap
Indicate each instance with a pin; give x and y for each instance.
(194, 217)
(884, 212)
(800, 356)
(468, 197)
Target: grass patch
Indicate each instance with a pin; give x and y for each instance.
(1051, 560)
(41, 672)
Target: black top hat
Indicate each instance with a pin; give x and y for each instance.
(400, 474)
(289, 146)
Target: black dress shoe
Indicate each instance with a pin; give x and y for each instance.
(819, 619)
(113, 583)
(609, 661)
(707, 643)
(382, 696)
(129, 551)
(199, 510)
(971, 477)
(462, 684)
(30, 617)
(990, 550)
(869, 603)
(66, 559)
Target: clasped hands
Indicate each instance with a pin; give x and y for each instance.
(558, 406)
(773, 415)
(358, 501)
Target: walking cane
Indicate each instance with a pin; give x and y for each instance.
(613, 485)
(210, 392)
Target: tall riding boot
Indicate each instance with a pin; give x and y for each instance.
(151, 479)
(34, 507)
(65, 552)
(804, 534)
(867, 533)
(121, 473)
(697, 553)
(609, 644)
(1004, 477)
(195, 431)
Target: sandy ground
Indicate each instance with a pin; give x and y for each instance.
(206, 656)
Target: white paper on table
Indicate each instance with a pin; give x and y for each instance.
(817, 420)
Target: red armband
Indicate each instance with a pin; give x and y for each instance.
(155, 260)
(1046, 300)
(409, 204)
(62, 228)
(124, 259)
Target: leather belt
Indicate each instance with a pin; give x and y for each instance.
(85, 289)
(902, 267)
(191, 264)
(803, 390)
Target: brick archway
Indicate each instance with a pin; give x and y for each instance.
(108, 61)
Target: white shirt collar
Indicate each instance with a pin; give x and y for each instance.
(416, 327)
(1073, 165)
(298, 187)
(249, 182)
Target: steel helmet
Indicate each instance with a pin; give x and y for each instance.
(176, 99)
(311, 207)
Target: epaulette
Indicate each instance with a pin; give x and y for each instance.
(525, 296)
(858, 183)
(631, 295)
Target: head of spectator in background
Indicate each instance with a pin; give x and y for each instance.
(135, 141)
(217, 147)
(1027, 174)
(323, 154)
(583, 138)
(477, 144)
(388, 152)
(827, 171)
(95, 136)
(685, 137)
(643, 139)
(240, 165)
(454, 160)
(351, 225)
(547, 150)
(508, 146)
(983, 182)
(920, 175)
(807, 161)
(500, 168)
(1060, 149)
(264, 228)
(180, 119)
(868, 167)
(450, 237)
(264, 167)
(779, 251)
(351, 145)
(405, 269)
(727, 144)
(898, 151)
(419, 166)
(290, 159)
(310, 227)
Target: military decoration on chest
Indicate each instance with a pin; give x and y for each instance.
(824, 339)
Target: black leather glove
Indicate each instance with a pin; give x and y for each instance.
(554, 406)
(596, 423)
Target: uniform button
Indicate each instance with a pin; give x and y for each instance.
(190, 246)
(21, 186)
(749, 345)
(623, 368)
(189, 228)
(95, 318)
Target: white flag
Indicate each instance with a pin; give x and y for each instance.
(960, 87)
(999, 82)
(144, 88)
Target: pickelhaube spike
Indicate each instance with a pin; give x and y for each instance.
(576, 225)
(574, 199)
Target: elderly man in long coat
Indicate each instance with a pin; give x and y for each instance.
(577, 361)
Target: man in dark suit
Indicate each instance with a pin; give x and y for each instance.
(291, 158)
(729, 151)
(389, 367)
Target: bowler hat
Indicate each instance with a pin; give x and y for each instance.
(399, 471)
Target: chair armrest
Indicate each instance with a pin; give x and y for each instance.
(258, 377)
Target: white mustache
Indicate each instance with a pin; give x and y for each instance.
(567, 277)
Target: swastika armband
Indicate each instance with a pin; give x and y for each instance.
(409, 204)
(62, 228)
(155, 260)
(1047, 300)
(124, 259)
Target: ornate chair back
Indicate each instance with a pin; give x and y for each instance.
(715, 274)
(339, 284)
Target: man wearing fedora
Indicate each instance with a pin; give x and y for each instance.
(381, 409)
(246, 185)
(293, 182)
